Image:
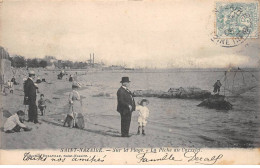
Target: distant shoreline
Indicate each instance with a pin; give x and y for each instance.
(155, 70)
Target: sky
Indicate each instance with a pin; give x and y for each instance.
(152, 34)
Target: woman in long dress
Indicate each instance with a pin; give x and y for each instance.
(75, 103)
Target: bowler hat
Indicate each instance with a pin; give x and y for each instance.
(124, 79)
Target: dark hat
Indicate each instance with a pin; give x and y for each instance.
(125, 79)
(20, 113)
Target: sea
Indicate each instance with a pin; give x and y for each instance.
(237, 128)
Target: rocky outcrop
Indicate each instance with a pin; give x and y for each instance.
(148, 93)
(187, 93)
(216, 102)
(181, 93)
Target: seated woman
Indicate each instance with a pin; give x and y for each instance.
(71, 78)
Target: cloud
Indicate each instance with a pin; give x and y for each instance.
(137, 34)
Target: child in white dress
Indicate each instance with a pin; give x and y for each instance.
(143, 115)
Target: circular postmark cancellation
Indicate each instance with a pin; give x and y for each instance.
(229, 42)
(235, 22)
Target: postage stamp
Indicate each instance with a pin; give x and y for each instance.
(237, 20)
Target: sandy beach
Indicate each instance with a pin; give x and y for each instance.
(172, 122)
(51, 133)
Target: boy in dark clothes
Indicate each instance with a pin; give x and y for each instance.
(42, 104)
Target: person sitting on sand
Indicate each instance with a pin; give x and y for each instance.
(42, 104)
(60, 75)
(217, 86)
(13, 80)
(70, 78)
(74, 105)
(143, 115)
(15, 123)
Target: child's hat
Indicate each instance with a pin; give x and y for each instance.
(31, 72)
(76, 85)
(143, 100)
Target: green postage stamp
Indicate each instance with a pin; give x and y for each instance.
(237, 19)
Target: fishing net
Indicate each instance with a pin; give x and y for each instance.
(238, 81)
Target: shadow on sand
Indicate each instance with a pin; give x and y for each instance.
(104, 133)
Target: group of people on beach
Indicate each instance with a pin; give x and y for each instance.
(126, 105)
(10, 86)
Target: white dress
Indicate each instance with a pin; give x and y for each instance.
(10, 85)
(143, 115)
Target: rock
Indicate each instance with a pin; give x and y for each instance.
(216, 102)
(148, 93)
(166, 95)
(102, 94)
(189, 93)
(181, 93)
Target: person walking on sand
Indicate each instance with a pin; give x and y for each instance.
(143, 115)
(70, 78)
(30, 90)
(125, 106)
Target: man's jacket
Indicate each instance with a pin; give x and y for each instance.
(124, 99)
(29, 92)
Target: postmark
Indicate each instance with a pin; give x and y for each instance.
(235, 23)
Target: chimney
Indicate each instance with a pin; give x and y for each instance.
(93, 59)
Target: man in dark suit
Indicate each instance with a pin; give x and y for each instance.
(125, 106)
(30, 98)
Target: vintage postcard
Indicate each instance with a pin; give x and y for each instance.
(140, 82)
